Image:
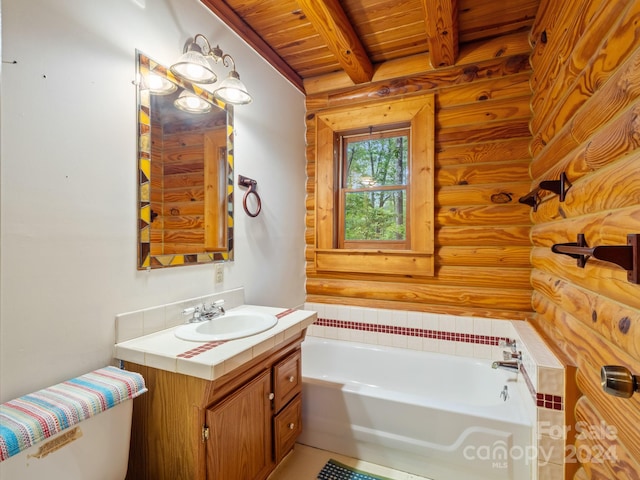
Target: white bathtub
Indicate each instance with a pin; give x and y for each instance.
(429, 414)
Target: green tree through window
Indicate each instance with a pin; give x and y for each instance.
(374, 186)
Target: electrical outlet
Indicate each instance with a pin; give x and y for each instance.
(219, 273)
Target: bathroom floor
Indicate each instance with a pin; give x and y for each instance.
(304, 463)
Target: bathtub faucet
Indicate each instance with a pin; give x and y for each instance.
(511, 356)
(512, 366)
(514, 354)
(509, 344)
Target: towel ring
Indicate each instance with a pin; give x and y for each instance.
(244, 202)
(251, 185)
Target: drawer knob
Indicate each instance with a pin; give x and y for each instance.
(272, 396)
(292, 379)
(291, 426)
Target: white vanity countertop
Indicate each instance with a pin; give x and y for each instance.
(209, 360)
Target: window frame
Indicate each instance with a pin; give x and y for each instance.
(418, 259)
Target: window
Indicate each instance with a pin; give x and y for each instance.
(374, 183)
(372, 218)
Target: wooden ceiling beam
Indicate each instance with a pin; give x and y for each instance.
(238, 25)
(332, 24)
(442, 28)
(429, 81)
(470, 54)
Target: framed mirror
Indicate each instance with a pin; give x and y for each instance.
(185, 171)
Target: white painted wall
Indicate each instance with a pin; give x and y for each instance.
(68, 181)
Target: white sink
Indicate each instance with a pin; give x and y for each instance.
(230, 326)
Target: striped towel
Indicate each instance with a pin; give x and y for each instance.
(34, 417)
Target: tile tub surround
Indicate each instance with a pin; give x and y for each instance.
(211, 360)
(546, 374)
(543, 374)
(465, 336)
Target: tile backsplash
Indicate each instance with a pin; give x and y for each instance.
(134, 324)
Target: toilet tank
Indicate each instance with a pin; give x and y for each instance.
(95, 448)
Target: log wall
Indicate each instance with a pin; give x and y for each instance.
(510, 114)
(482, 137)
(585, 105)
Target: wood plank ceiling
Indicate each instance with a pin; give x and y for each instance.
(308, 39)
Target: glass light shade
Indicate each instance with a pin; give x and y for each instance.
(159, 85)
(193, 66)
(188, 102)
(233, 91)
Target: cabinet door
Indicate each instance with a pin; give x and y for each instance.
(239, 444)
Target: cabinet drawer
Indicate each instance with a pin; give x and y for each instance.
(287, 378)
(287, 427)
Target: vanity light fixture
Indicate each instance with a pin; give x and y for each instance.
(188, 102)
(159, 85)
(194, 66)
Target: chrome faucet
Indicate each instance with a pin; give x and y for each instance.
(511, 355)
(214, 310)
(514, 354)
(510, 344)
(512, 366)
(196, 312)
(204, 312)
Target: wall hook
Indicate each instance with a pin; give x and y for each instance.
(251, 185)
(625, 256)
(559, 187)
(532, 199)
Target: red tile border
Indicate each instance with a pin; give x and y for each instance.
(286, 312)
(205, 347)
(553, 402)
(543, 400)
(412, 332)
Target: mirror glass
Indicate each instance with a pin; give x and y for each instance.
(185, 170)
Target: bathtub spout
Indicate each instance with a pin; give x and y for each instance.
(512, 366)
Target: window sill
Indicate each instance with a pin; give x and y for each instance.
(378, 261)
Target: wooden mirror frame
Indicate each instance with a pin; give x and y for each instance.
(146, 258)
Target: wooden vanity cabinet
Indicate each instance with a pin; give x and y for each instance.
(238, 427)
(251, 430)
(240, 433)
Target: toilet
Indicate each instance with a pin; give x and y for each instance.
(95, 447)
